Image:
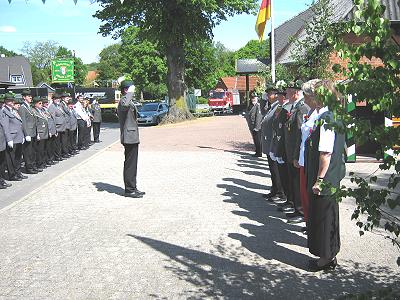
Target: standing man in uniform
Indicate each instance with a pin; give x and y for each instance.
(127, 115)
(277, 152)
(254, 121)
(29, 127)
(58, 116)
(3, 145)
(276, 191)
(12, 125)
(42, 129)
(96, 113)
(50, 145)
(292, 132)
(65, 139)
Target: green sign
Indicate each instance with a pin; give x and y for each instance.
(62, 70)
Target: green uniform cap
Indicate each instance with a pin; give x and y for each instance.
(36, 99)
(126, 84)
(44, 99)
(56, 96)
(9, 97)
(65, 94)
(26, 93)
(18, 100)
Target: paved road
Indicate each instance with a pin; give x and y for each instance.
(202, 230)
(109, 134)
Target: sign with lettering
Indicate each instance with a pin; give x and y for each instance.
(62, 70)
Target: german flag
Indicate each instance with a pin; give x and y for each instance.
(263, 16)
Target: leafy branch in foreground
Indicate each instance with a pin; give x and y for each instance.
(378, 84)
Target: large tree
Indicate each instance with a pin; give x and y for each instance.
(142, 59)
(201, 67)
(312, 53)
(171, 23)
(110, 66)
(254, 49)
(226, 61)
(40, 55)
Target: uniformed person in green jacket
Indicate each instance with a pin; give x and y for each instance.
(42, 129)
(292, 132)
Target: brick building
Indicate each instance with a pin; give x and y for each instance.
(343, 10)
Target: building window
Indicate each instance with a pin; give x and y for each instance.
(17, 79)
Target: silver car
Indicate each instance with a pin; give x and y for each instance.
(152, 113)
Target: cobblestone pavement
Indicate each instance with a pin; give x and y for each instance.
(202, 230)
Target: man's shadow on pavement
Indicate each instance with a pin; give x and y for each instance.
(228, 272)
(268, 240)
(109, 188)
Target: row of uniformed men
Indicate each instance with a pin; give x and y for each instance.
(306, 160)
(42, 133)
(276, 132)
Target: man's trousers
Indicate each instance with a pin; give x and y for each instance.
(130, 167)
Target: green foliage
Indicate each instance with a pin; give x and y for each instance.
(7, 53)
(379, 86)
(40, 54)
(254, 49)
(92, 66)
(312, 53)
(286, 73)
(110, 66)
(143, 61)
(167, 22)
(225, 61)
(40, 75)
(201, 65)
(202, 100)
(205, 63)
(170, 25)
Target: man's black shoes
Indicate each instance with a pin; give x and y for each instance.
(31, 171)
(4, 185)
(139, 192)
(135, 194)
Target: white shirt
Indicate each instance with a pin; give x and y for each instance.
(80, 111)
(306, 127)
(326, 136)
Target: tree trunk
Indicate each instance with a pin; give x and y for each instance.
(178, 110)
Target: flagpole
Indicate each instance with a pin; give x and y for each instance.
(272, 41)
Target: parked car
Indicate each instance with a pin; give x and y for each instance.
(152, 113)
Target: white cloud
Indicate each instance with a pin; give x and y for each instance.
(8, 29)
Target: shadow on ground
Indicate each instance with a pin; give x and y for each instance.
(266, 265)
(109, 188)
(214, 275)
